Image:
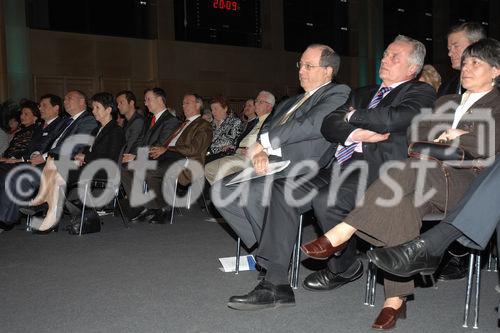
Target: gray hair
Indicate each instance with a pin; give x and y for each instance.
(473, 31)
(417, 56)
(269, 97)
(328, 57)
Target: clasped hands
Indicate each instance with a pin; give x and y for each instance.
(259, 157)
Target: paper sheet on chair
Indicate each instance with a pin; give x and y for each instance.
(249, 173)
(247, 263)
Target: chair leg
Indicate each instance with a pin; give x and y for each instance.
(124, 218)
(188, 206)
(238, 255)
(294, 276)
(28, 223)
(371, 279)
(173, 202)
(83, 209)
(468, 290)
(478, 287)
(492, 260)
(373, 284)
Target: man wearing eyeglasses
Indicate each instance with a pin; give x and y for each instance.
(291, 132)
(229, 165)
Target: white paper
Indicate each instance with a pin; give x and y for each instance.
(249, 173)
(247, 263)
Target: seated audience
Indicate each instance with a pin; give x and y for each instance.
(248, 113)
(80, 121)
(431, 76)
(370, 129)
(389, 225)
(207, 115)
(22, 138)
(228, 165)
(155, 133)
(4, 132)
(107, 145)
(188, 143)
(226, 129)
(134, 124)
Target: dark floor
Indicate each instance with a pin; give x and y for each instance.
(166, 278)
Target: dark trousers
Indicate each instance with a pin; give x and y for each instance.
(281, 223)
(477, 214)
(155, 180)
(22, 185)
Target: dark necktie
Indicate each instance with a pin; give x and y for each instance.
(345, 153)
(176, 132)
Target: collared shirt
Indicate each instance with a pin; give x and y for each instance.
(56, 141)
(159, 114)
(251, 137)
(349, 141)
(468, 99)
(188, 121)
(264, 137)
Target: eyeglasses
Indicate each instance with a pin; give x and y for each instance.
(307, 67)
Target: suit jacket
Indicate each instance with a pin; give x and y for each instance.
(193, 144)
(84, 124)
(248, 128)
(44, 137)
(300, 137)
(474, 140)
(450, 87)
(393, 115)
(108, 144)
(160, 132)
(133, 133)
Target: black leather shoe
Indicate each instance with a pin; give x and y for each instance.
(161, 216)
(325, 279)
(406, 259)
(265, 295)
(453, 269)
(6, 226)
(145, 215)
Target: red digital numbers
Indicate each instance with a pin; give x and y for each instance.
(225, 5)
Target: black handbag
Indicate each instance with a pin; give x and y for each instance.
(438, 151)
(91, 223)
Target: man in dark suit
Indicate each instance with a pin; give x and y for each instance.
(374, 124)
(160, 128)
(290, 133)
(459, 37)
(188, 143)
(80, 121)
(134, 128)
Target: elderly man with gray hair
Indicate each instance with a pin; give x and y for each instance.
(218, 169)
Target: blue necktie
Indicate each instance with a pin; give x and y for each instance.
(345, 153)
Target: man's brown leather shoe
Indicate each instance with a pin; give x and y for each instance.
(321, 248)
(387, 318)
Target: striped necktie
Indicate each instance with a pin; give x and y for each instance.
(345, 153)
